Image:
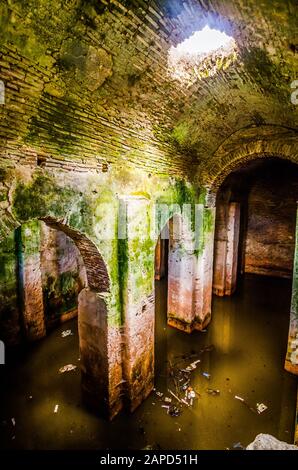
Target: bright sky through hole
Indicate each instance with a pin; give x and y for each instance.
(202, 42)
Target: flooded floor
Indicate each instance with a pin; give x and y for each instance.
(249, 334)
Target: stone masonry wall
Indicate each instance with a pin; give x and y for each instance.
(10, 328)
(270, 239)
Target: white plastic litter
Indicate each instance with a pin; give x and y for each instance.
(239, 398)
(66, 333)
(261, 407)
(167, 400)
(56, 408)
(67, 368)
(194, 364)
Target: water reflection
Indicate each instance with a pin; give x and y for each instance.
(249, 332)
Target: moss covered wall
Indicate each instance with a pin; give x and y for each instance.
(89, 203)
(9, 304)
(88, 85)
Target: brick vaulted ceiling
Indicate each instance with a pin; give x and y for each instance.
(87, 81)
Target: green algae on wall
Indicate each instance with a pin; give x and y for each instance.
(92, 207)
(140, 250)
(176, 195)
(9, 302)
(60, 294)
(122, 264)
(41, 197)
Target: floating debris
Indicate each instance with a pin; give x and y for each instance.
(205, 374)
(190, 395)
(180, 374)
(67, 368)
(238, 446)
(185, 402)
(261, 407)
(56, 408)
(239, 398)
(174, 411)
(159, 394)
(212, 392)
(194, 364)
(245, 403)
(13, 421)
(175, 396)
(185, 386)
(167, 407)
(66, 333)
(187, 370)
(167, 400)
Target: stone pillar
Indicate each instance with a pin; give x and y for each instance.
(100, 354)
(180, 275)
(204, 267)
(10, 327)
(190, 272)
(138, 300)
(226, 249)
(160, 259)
(30, 279)
(291, 363)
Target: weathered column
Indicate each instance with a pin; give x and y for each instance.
(137, 284)
(10, 328)
(291, 363)
(204, 266)
(100, 354)
(191, 272)
(226, 249)
(160, 259)
(30, 280)
(181, 275)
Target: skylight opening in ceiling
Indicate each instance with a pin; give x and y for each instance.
(192, 55)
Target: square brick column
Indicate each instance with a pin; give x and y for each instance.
(181, 275)
(30, 280)
(226, 249)
(138, 299)
(100, 354)
(204, 267)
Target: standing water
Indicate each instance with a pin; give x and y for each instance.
(41, 409)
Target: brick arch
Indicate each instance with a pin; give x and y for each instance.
(97, 341)
(243, 147)
(97, 274)
(273, 142)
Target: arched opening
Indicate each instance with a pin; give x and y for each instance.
(255, 231)
(53, 283)
(255, 223)
(42, 275)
